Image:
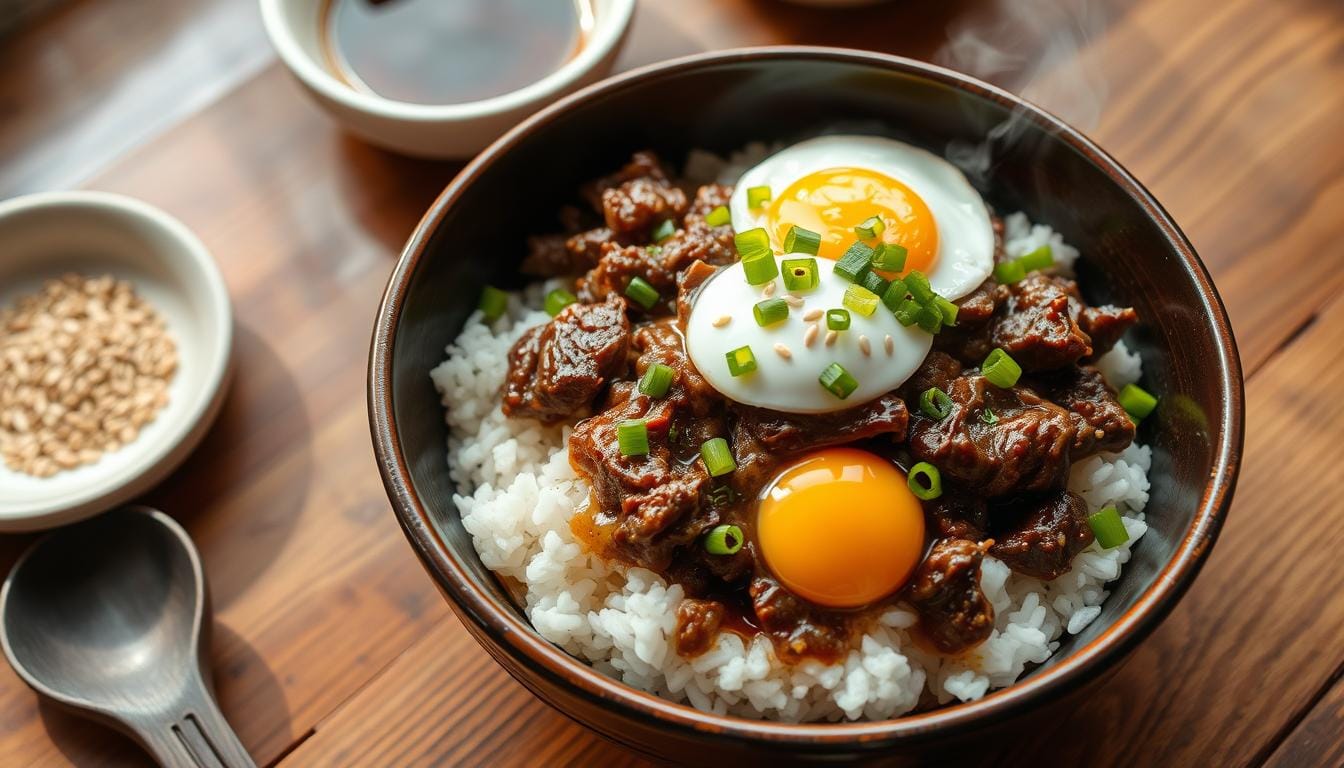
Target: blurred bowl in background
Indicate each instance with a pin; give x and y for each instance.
(440, 130)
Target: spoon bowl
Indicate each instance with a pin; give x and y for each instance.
(108, 618)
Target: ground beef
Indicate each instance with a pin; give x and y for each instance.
(954, 613)
(1039, 536)
(556, 370)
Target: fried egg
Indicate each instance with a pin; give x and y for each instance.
(840, 528)
(789, 356)
(831, 184)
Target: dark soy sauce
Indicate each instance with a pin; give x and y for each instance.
(450, 51)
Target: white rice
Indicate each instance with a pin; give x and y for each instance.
(517, 492)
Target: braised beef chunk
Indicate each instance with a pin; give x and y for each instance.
(644, 164)
(1100, 420)
(556, 255)
(957, 516)
(640, 205)
(621, 264)
(707, 198)
(995, 441)
(1105, 325)
(1040, 536)
(953, 611)
(798, 628)
(977, 307)
(556, 370)
(689, 281)
(939, 369)
(658, 502)
(651, 503)
(686, 247)
(1038, 328)
(697, 626)
(762, 438)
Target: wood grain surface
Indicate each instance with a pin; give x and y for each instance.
(333, 647)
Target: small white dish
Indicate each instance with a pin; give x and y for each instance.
(94, 233)
(437, 131)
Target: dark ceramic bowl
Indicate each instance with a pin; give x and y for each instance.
(1133, 254)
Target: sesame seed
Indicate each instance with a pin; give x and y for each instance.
(810, 335)
(769, 289)
(722, 320)
(889, 343)
(864, 346)
(812, 315)
(831, 336)
(793, 301)
(783, 351)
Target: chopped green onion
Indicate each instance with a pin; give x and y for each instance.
(935, 403)
(856, 261)
(664, 230)
(1137, 402)
(989, 417)
(908, 312)
(718, 458)
(641, 292)
(656, 380)
(493, 303)
(1108, 527)
(799, 240)
(724, 540)
(837, 319)
(947, 308)
(557, 300)
(889, 257)
(770, 311)
(894, 295)
(1009, 272)
(861, 300)
(751, 242)
(741, 361)
(799, 274)
(874, 282)
(653, 250)
(718, 217)
(1001, 370)
(929, 319)
(633, 437)
(838, 381)
(1038, 259)
(918, 286)
(757, 196)
(760, 267)
(925, 481)
(870, 228)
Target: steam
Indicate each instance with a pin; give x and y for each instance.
(1033, 48)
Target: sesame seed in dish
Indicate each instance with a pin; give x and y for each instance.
(87, 365)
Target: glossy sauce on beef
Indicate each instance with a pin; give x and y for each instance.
(1004, 453)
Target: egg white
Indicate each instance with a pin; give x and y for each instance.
(791, 384)
(965, 236)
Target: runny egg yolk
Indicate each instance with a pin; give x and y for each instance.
(832, 202)
(840, 528)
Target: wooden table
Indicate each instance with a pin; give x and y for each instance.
(332, 646)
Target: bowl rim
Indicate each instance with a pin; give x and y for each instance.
(159, 460)
(514, 636)
(608, 30)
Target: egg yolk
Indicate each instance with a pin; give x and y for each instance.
(834, 201)
(841, 528)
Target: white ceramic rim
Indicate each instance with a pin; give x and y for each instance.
(204, 404)
(608, 30)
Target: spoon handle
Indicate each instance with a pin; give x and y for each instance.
(200, 737)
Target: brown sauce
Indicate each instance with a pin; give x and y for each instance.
(450, 51)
